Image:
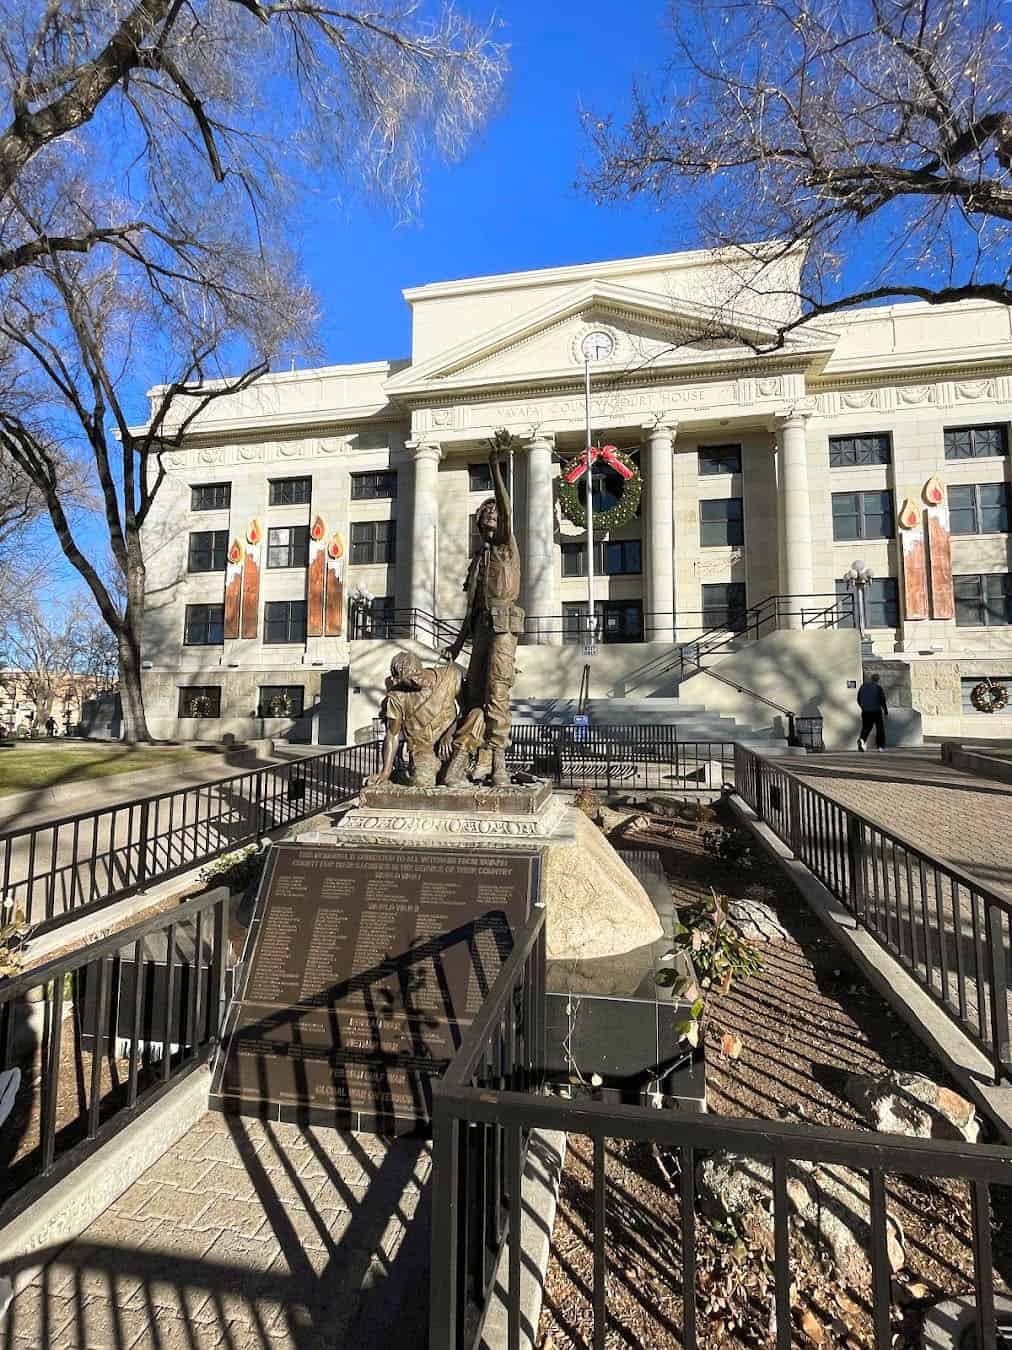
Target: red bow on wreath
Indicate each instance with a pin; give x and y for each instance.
(610, 456)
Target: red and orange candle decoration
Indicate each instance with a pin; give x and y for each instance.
(943, 601)
(251, 579)
(233, 588)
(915, 577)
(334, 616)
(316, 580)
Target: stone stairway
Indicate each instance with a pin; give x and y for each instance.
(693, 721)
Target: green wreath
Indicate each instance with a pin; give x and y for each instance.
(620, 514)
(989, 696)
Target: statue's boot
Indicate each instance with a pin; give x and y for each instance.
(483, 767)
(500, 773)
(456, 771)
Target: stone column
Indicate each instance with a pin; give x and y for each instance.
(426, 455)
(796, 510)
(659, 532)
(541, 596)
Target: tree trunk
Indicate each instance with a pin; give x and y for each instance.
(131, 693)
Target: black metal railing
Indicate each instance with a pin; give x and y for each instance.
(647, 757)
(946, 927)
(99, 1032)
(480, 1170)
(55, 870)
(486, 1199)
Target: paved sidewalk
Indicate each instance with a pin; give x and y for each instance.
(243, 1236)
(956, 816)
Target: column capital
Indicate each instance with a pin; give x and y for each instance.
(424, 448)
(542, 439)
(794, 414)
(660, 428)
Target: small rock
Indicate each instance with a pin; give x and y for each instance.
(755, 921)
(813, 1328)
(914, 1105)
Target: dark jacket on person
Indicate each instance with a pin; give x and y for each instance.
(871, 697)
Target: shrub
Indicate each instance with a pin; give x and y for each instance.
(729, 846)
(236, 870)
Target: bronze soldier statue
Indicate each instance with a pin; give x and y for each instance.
(492, 624)
(421, 707)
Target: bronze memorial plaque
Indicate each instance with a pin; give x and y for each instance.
(363, 969)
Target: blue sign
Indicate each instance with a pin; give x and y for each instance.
(581, 726)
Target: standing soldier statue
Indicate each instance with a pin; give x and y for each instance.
(492, 624)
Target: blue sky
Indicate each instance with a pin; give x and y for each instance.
(512, 203)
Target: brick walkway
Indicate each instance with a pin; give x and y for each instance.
(246, 1235)
(956, 816)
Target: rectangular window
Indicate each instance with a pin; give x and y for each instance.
(983, 601)
(210, 496)
(373, 541)
(862, 515)
(284, 621)
(724, 604)
(288, 546)
(975, 442)
(848, 451)
(378, 620)
(721, 523)
(290, 491)
(281, 700)
(620, 557)
(367, 487)
(719, 459)
(978, 508)
(200, 700)
(615, 621)
(204, 625)
(479, 478)
(881, 601)
(208, 551)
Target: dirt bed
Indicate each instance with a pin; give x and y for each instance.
(805, 1023)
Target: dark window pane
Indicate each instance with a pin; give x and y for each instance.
(723, 604)
(998, 598)
(207, 551)
(877, 508)
(370, 486)
(990, 440)
(290, 491)
(373, 541)
(281, 700)
(975, 442)
(285, 621)
(881, 598)
(962, 510)
(957, 444)
(720, 522)
(210, 496)
(204, 625)
(969, 601)
(993, 499)
(846, 516)
(200, 701)
(479, 478)
(845, 451)
(714, 459)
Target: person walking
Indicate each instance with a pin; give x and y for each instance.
(871, 700)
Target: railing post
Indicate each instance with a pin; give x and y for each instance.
(759, 805)
(142, 865)
(445, 1245)
(999, 991)
(559, 732)
(855, 866)
(794, 831)
(219, 965)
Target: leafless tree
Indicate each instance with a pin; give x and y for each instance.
(875, 133)
(151, 159)
(42, 654)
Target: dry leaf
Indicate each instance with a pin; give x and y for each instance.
(730, 1045)
(813, 1328)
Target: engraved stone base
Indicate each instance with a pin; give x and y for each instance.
(454, 827)
(468, 799)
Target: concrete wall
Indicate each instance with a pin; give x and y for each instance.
(808, 672)
(323, 720)
(932, 686)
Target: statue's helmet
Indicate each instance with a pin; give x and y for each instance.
(404, 665)
(489, 507)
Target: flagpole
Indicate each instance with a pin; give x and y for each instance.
(590, 514)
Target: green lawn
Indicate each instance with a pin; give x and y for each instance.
(43, 765)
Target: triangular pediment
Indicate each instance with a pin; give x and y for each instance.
(648, 331)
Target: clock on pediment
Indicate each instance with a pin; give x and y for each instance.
(594, 343)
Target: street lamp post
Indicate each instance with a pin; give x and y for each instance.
(858, 577)
(596, 346)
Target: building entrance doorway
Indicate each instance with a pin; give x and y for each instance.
(616, 621)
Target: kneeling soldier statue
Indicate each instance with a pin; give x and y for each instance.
(421, 708)
(492, 624)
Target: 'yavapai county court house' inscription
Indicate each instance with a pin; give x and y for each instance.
(363, 969)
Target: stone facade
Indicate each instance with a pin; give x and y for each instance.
(683, 377)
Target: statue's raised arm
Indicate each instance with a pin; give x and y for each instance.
(500, 449)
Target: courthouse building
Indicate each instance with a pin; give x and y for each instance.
(320, 518)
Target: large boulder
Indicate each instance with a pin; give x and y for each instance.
(599, 915)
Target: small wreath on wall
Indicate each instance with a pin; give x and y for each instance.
(990, 696)
(626, 506)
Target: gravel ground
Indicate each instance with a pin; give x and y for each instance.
(805, 1023)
